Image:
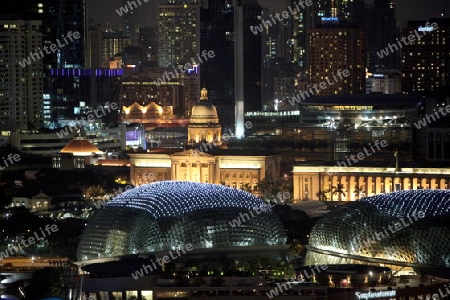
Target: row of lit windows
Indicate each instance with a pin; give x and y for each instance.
(22, 26)
(194, 165)
(241, 175)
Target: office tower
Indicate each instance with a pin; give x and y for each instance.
(300, 23)
(284, 53)
(269, 53)
(381, 29)
(350, 12)
(218, 34)
(336, 41)
(179, 31)
(78, 92)
(66, 90)
(94, 44)
(21, 102)
(113, 43)
(129, 26)
(179, 42)
(384, 81)
(269, 42)
(425, 62)
(280, 69)
(148, 40)
(332, 49)
(58, 18)
(284, 42)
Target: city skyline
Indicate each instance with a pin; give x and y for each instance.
(226, 151)
(104, 11)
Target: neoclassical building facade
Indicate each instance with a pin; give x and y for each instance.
(352, 183)
(206, 163)
(233, 168)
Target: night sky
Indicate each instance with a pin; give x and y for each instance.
(103, 11)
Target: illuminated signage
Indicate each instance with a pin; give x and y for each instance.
(330, 19)
(376, 295)
(131, 136)
(194, 69)
(428, 28)
(378, 75)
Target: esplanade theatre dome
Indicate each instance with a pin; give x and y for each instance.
(406, 228)
(167, 215)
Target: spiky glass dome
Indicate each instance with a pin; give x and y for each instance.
(167, 215)
(406, 226)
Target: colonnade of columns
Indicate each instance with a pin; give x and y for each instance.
(352, 187)
(349, 187)
(198, 171)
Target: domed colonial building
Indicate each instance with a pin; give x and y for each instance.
(204, 123)
(405, 230)
(207, 160)
(78, 153)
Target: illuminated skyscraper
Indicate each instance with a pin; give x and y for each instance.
(333, 49)
(179, 25)
(336, 41)
(58, 18)
(346, 11)
(300, 23)
(179, 43)
(425, 62)
(21, 103)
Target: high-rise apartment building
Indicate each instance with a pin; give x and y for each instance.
(425, 61)
(332, 49)
(58, 18)
(21, 102)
